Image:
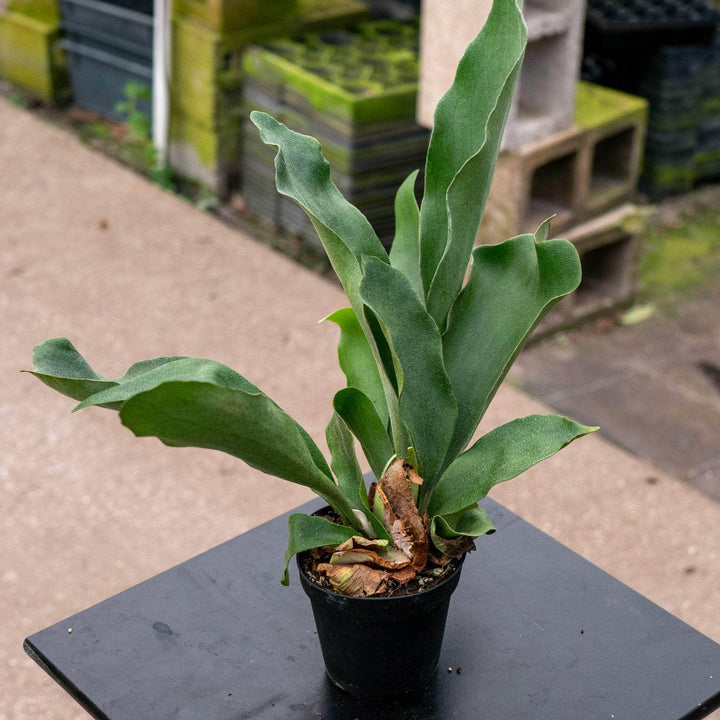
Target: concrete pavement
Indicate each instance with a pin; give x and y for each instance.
(653, 387)
(92, 251)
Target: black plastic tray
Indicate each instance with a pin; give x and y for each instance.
(110, 20)
(534, 631)
(113, 44)
(99, 78)
(613, 24)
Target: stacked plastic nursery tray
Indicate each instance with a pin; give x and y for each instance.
(668, 53)
(356, 91)
(683, 146)
(209, 38)
(109, 45)
(631, 24)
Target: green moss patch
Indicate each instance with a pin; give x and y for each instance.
(596, 106)
(31, 58)
(681, 256)
(225, 15)
(46, 11)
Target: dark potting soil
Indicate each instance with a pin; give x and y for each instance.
(428, 578)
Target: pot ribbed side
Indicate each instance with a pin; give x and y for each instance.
(381, 646)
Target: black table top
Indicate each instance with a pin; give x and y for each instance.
(534, 631)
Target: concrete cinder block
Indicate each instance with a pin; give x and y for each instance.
(31, 57)
(46, 11)
(206, 79)
(537, 180)
(445, 32)
(575, 174)
(614, 126)
(608, 249)
(544, 101)
(545, 97)
(209, 155)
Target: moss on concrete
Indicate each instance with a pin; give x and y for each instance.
(680, 254)
(224, 15)
(46, 11)
(596, 106)
(287, 16)
(211, 146)
(31, 58)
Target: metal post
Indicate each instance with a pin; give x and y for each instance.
(161, 77)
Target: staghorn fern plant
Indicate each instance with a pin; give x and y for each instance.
(432, 329)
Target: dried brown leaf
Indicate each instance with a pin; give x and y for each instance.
(413, 475)
(356, 580)
(362, 580)
(371, 495)
(389, 558)
(401, 517)
(405, 575)
(438, 558)
(358, 541)
(458, 547)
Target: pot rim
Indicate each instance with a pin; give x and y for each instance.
(452, 577)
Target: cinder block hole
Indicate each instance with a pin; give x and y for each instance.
(612, 160)
(540, 87)
(546, 5)
(551, 191)
(607, 274)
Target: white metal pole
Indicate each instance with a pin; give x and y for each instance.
(161, 75)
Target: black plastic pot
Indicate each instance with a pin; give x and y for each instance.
(376, 647)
